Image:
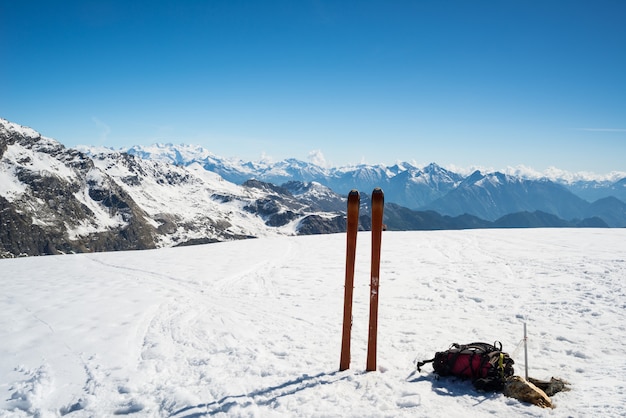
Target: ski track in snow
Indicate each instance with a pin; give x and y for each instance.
(253, 328)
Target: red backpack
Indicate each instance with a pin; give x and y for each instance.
(485, 364)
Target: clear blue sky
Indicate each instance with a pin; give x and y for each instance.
(490, 83)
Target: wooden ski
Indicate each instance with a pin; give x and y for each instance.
(354, 202)
(378, 203)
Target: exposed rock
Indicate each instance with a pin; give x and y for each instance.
(551, 387)
(59, 202)
(315, 224)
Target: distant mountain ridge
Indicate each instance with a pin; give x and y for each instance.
(587, 186)
(485, 195)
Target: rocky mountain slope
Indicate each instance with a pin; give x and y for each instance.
(54, 199)
(58, 200)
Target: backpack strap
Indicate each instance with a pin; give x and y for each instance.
(483, 348)
(421, 363)
(501, 365)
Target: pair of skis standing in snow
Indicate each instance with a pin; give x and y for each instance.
(485, 363)
(354, 201)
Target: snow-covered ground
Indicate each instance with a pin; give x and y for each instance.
(253, 328)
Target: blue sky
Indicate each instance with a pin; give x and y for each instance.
(487, 83)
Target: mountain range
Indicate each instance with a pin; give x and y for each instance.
(488, 196)
(55, 199)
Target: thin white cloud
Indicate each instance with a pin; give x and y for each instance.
(551, 173)
(317, 157)
(104, 129)
(602, 129)
(266, 158)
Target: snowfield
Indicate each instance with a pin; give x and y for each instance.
(253, 328)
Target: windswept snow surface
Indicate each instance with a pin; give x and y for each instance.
(253, 328)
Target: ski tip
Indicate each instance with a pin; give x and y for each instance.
(378, 195)
(354, 196)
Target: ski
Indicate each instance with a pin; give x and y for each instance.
(354, 201)
(378, 203)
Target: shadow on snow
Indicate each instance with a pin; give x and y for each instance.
(256, 397)
(452, 386)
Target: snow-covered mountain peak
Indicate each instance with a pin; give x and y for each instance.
(558, 175)
(10, 127)
(176, 154)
